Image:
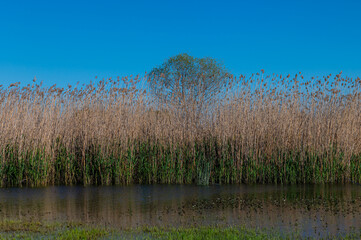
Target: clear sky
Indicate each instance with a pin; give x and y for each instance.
(68, 41)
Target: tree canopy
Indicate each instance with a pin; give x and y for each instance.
(184, 78)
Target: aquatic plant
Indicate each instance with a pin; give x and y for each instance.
(261, 129)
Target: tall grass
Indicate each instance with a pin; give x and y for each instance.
(263, 129)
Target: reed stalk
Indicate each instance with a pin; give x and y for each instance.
(262, 129)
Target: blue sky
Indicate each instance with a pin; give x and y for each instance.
(68, 41)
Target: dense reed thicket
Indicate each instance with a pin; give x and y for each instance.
(262, 129)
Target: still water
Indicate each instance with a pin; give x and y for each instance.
(312, 210)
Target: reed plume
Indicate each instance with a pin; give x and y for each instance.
(261, 129)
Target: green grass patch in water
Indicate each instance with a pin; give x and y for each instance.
(39, 230)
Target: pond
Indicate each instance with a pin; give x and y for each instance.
(312, 210)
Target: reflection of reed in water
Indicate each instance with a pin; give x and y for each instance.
(325, 208)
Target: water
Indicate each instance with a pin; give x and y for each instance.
(312, 210)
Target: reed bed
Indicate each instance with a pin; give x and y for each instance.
(260, 129)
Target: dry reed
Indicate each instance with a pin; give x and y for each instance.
(263, 129)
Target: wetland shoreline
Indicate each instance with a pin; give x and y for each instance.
(310, 210)
(10, 229)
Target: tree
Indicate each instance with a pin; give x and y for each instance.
(184, 79)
